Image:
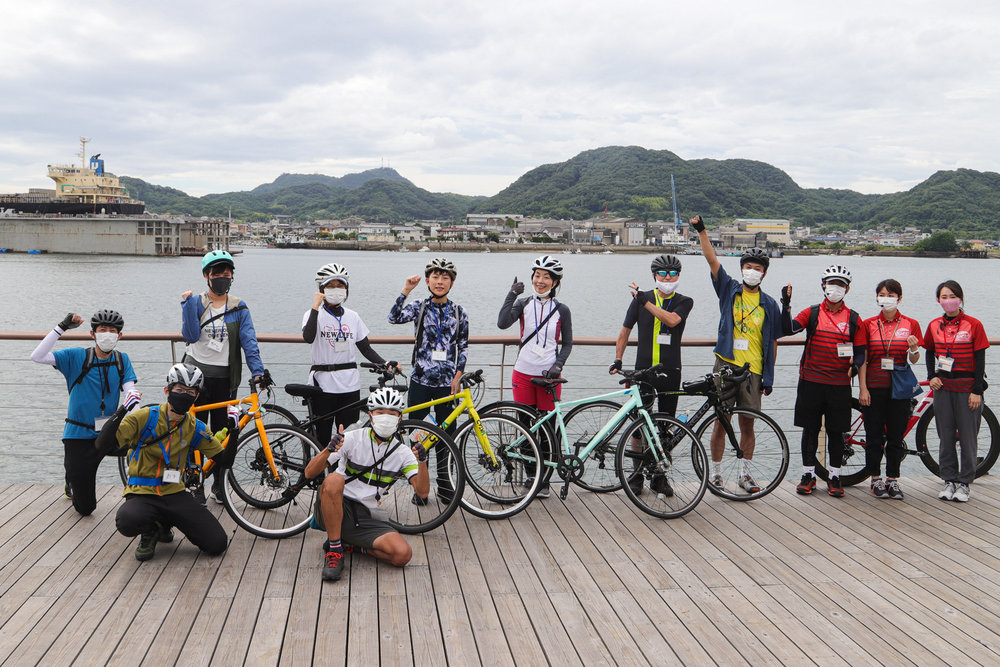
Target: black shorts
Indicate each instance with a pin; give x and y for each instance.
(359, 527)
(814, 401)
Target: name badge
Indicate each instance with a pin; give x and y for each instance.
(215, 345)
(439, 355)
(888, 363)
(845, 350)
(341, 346)
(741, 344)
(945, 364)
(100, 422)
(664, 339)
(171, 476)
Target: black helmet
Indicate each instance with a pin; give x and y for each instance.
(665, 263)
(758, 255)
(107, 317)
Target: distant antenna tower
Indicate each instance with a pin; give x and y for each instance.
(673, 198)
(83, 151)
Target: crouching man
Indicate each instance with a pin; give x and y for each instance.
(363, 458)
(160, 440)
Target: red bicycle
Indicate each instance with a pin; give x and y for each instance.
(852, 470)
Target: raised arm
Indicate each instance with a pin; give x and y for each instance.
(706, 246)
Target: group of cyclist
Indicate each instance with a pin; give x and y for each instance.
(219, 333)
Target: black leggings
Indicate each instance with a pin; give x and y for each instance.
(139, 512)
(885, 424)
(834, 447)
(81, 461)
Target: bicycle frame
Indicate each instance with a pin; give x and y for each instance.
(926, 401)
(253, 413)
(465, 404)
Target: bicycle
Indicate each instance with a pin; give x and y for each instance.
(927, 445)
(653, 447)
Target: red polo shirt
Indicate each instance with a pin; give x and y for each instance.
(821, 362)
(887, 339)
(957, 339)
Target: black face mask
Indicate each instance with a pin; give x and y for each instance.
(220, 284)
(180, 402)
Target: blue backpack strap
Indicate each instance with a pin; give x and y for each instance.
(148, 431)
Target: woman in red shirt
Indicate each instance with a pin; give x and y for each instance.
(956, 367)
(891, 339)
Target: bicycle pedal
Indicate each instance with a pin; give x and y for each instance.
(564, 492)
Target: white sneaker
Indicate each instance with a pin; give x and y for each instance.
(961, 493)
(948, 492)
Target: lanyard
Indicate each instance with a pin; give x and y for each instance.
(442, 317)
(833, 323)
(887, 344)
(222, 331)
(340, 326)
(945, 325)
(534, 307)
(744, 315)
(166, 450)
(660, 301)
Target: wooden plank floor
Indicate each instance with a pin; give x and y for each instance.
(591, 580)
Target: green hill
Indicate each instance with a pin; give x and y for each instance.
(350, 181)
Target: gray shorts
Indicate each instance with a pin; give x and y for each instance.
(748, 395)
(359, 527)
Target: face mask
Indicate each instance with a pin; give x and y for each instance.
(835, 293)
(752, 277)
(541, 295)
(220, 284)
(180, 402)
(887, 302)
(106, 340)
(385, 425)
(950, 305)
(666, 288)
(335, 295)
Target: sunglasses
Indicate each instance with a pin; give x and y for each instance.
(672, 273)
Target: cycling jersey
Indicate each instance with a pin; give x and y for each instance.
(667, 350)
(359, 452)
(886, 339)
(547, 327)
(442, 341)
(829, 351)
(336, 343)
(957, 340)
(99, 387)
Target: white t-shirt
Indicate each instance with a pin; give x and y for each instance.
(540, 353)
(212, 347)
(336, 343)
(360, 448)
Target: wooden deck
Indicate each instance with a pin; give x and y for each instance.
(782, 580)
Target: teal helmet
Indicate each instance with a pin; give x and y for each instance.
(217, 257)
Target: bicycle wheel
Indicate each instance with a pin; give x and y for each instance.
(527, 416)
(929, 444)
(584, 422)
(670, 458)
(257, 501)
(767, 466)
(853, 466)
(447, 482)
(502, 485)
(275, 414)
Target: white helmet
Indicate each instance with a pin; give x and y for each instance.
(386, 398)
(550, 264)
(837, 272)
(332, 271)
(441, 264)
(187, 375)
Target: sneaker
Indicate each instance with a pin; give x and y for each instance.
(68, 490)
(333, 564)
(418, 501)
(878, 489)
(164, 533)
(199, 494)
(661, 485)
(835, 488)
(543, 490)
(217, 492)
(948, 492)
(806, 485)
(147, 545)
(748, 485)
(961, 493)
(716, 481)
(893, 490)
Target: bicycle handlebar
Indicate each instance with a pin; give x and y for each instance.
(474, 378)
(643, 376)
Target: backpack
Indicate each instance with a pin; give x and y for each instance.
(147, 436)
(420, 329)
(90, 361)
(854, 321)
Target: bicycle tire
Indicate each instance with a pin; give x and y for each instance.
(528, 416)
(445, 468)
(930, 453)
(584, 422)
(770, 457)
(254, 499)
(275, 414)
(684, 468)
(501, 489)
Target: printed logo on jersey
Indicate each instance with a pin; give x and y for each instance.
(902, 333)
(842, 327)
(963, 337)
(337, 335)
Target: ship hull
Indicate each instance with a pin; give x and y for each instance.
(72, 208)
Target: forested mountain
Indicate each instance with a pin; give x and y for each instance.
(350, 181)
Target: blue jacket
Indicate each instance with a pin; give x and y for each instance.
(727, 288)
(239, 326)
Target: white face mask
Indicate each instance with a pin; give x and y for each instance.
(385, 425)
(887, 302)
(752, 277)
(835, 293)
(335, 295)
(541, 295)
(665, 287)
(106, 340)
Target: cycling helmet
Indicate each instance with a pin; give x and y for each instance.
(440, 264)
(665, 263)
(332, 271)
(187, 375)
(758, 255)
(109, 317)
(837, 272)
(217, 257)
(386, 398)
(550, 264)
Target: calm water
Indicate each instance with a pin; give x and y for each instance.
(278, 286)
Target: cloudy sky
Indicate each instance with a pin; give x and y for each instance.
(466, 96)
